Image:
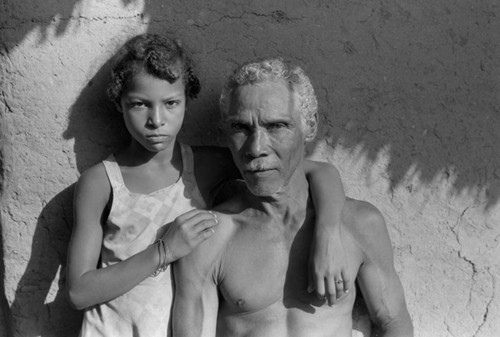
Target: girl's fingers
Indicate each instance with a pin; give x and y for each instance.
(193, 216)
(320, 288)
(332, 291)
(347, 281)
(339, 286)
(312, 280)
(205, 222)
(188, 215)
(205, 234)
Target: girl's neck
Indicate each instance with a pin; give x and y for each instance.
(135, 155)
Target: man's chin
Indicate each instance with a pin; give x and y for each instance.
(262, 190)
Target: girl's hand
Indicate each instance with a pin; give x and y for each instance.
(188, 231)
(328, 267)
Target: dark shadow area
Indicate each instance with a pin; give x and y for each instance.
(442, 143)
(94, 124)
(31, 314)
(5, 313)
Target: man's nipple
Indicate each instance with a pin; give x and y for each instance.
(240, 303)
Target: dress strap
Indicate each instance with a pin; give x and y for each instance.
(113, 171)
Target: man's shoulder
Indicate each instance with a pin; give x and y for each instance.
(364, 222)
(361, 213)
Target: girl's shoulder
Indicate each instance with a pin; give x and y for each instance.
(95, 180)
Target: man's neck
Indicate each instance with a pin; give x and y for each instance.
(293, 198)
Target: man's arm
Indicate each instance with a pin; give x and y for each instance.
(377, 278)
(196, 300)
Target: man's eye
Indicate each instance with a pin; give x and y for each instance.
(276, 126)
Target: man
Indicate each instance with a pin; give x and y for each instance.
(250, 278)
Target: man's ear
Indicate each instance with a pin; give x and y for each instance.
(311, 127)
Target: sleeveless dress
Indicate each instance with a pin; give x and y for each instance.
(131, 226)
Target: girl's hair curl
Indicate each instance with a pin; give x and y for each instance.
(161, 57)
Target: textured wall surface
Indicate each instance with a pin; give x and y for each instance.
(410, 103)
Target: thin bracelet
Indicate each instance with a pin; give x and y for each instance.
(161, 257)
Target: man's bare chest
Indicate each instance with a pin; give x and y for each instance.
(263, 267)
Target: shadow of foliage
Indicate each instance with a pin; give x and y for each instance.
(388, 77)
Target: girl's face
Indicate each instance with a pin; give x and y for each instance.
(153, 110)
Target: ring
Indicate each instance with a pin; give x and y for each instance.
(339, 281)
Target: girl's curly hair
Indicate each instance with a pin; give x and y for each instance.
(161, 57)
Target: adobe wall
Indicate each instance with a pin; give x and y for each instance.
(409, 96)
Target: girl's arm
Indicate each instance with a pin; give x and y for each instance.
(89, 285)
(328, 266)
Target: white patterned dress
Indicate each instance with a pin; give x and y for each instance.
(131, 226)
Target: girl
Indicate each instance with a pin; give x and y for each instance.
(144, 207)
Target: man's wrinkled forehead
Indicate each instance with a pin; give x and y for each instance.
(264, 97)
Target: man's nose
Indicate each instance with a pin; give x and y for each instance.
(257, 143)
(156, 117)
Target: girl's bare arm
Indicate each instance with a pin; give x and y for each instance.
(328, 268)
(89, 285)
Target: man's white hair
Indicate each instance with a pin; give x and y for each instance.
(274, 69)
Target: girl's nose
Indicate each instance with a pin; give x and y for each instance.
(156, 118)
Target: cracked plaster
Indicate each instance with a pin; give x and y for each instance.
(410, 115)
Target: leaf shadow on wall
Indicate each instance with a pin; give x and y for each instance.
(440, 138)
(47, 19)
(442, 135)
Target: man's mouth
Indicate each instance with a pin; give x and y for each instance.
(260, 172)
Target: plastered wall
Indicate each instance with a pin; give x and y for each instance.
(410, 103)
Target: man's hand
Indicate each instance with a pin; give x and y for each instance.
(328, 266)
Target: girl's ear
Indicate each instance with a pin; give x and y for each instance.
(118, 107)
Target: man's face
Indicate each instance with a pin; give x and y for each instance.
(265, 135)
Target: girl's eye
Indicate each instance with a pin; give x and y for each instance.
(239, 127)
(137, 104)
(171, 104)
